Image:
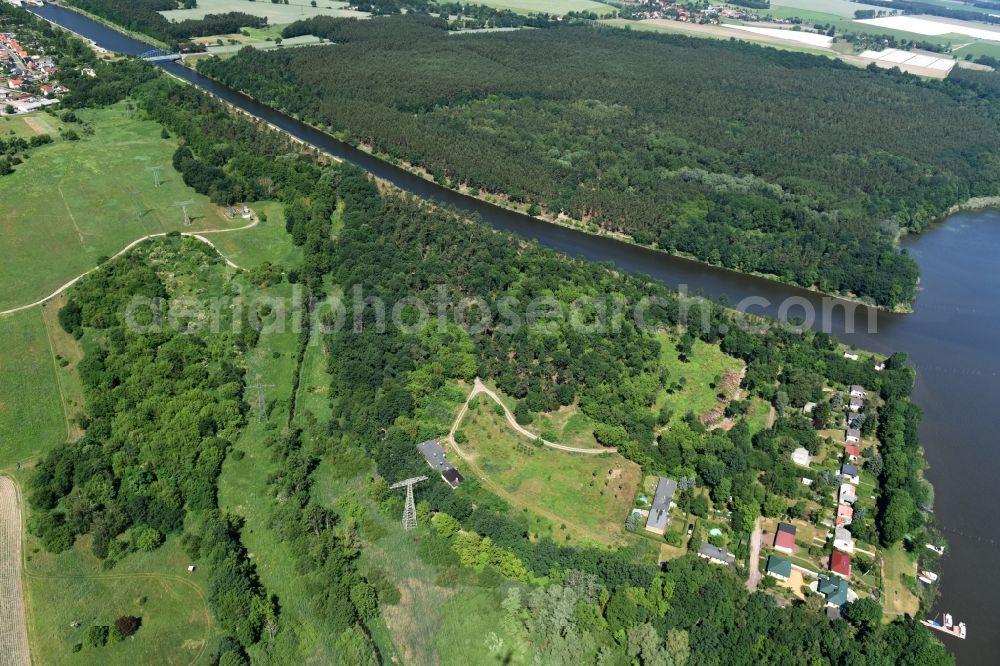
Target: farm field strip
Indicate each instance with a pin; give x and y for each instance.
(14, 649)
(933, 27)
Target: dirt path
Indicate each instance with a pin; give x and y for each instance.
(200, 235)
(754, 578)
(479, 387)
(13, 627)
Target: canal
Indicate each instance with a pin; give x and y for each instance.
(952, 340)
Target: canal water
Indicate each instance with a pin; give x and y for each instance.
(952, 340)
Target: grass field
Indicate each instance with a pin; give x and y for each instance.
(590, 494)
(75, 201)
(29, 125)
(897, 598)
(842, 8)
(31, 412)
(710, 32)
(67, 593)
(277, 14)
(268, 241)
(705, 365)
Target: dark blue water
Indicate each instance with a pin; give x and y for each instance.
(952, 339)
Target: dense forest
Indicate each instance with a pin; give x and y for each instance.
(164, 407)
(647, 135)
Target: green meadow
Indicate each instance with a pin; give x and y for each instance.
(73, 202)
(690, 384)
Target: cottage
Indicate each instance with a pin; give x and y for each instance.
(848, 494)
(851, 355)
(850, 473)
(856, 404)
(438, 460)
(716, 555)
(779, 567)
(855, 420)
(845, 515)
(659, 512)
(800, 456)
(843, 540)
(840, 564)
(852, 453)
(880, 366)
(809, 407)
(853, 436)
(834, 589)
(784, 538)
(858, 391)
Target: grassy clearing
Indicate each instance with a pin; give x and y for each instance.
(67, 353)
(72, 588)
(31, 413)
(590, 495)
(897, 599)
(567, 426)
(266, 242)
(29, 125)
(690, 383)
(75, 201)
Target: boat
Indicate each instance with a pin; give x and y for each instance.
(948, 627)
(927, 576)
(937, 549)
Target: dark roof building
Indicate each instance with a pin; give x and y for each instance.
(834, 589)
(779, 567)
(438, 459)
(452, 477)
(716, 554)
(659, 512)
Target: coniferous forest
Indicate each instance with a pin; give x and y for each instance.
(688, 145)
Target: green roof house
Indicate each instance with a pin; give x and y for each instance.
(834, 588)
(779, 567)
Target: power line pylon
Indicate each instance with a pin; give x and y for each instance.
(409, 509)
(184, 206)
(261, 398)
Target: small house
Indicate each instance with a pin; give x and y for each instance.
(845, 515)
(809, 408)
(716, 555)
(851, 355)
(880, 366)
(852, 452)
(800, 456)
(834, 589)
(843, 540)
(853, 436)
(848, 494)
(452, 477)
(840, 564)
(436, 457)
(850, 473)
(779, 567)
(858, 391)
(659, 512)
(784, 538)
(856, 404)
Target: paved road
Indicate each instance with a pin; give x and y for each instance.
(198, 236)
(754, 578)
(13, 629)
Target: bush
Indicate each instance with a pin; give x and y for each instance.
(96, 635)
(127, 625)
(461, 437)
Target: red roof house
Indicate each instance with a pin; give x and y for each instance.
(840, 564)
(851, 451)
(845, 514)
(784, 538)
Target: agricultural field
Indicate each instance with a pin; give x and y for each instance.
(13, 631)
(713, 32)
(584, 496)
(69, 592)
(842, 8)
(277, 14)
(73, 202)
(29, 125)
(31, 411)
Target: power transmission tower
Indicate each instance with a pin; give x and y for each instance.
(184, 206)
(410, 509)
(261, 398)
(156, 174)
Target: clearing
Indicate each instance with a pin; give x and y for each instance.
(29, 125)
(13, 629)
(897, 566)
(76, 201)
(693, 386)
(586, 496)
(277, 14)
